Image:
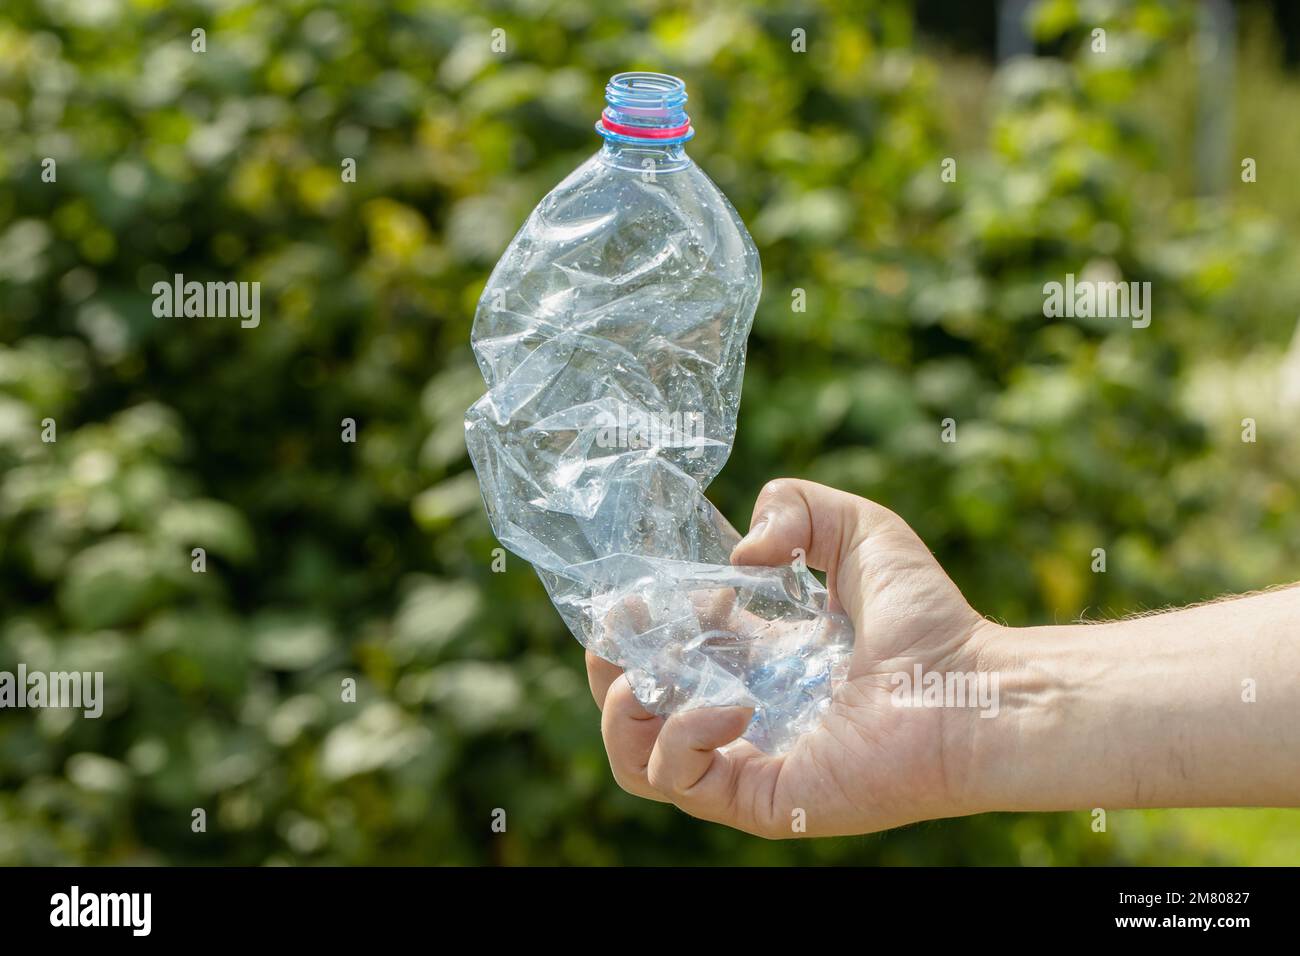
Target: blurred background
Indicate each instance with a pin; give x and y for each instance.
(373, 560)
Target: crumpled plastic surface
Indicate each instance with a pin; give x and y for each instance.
(612, 338)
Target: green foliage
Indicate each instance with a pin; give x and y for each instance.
(329, 560)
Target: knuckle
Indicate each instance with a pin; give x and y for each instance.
(629, 777)
(658, 777)
(880, 516)
(624, 783)
(775, 489)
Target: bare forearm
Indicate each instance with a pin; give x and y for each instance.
(1199, 707)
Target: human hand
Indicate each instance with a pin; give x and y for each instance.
(871, 764)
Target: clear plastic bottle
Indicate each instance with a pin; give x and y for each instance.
(612, 338)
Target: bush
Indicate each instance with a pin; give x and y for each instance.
(328, 561)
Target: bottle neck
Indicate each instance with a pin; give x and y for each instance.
(645, 157)
(644, 123)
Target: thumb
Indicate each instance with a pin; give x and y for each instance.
(825, 523)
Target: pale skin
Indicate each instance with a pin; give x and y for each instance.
(1145, 712)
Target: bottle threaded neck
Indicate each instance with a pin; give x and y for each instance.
(645, 108)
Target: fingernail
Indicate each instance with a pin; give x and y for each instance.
(755, 532)
(715, 726)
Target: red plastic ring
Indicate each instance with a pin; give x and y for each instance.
(643, 132)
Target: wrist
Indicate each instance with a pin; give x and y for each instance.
(993, 754)
(1061, 738)
(1159, 711)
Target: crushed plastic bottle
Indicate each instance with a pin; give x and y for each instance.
(612, 338)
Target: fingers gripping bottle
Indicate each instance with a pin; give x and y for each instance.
(612, 338)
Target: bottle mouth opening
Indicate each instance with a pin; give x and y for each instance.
(645, 107)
